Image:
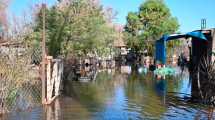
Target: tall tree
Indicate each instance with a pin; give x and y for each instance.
(3, 15)
(77, 26)
(148, 24)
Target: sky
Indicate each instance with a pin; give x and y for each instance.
(188, 12)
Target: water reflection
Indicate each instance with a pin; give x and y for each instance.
(53, 112)
(120, 96)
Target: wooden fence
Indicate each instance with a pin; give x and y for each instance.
(54, 76)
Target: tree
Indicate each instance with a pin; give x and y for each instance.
(75, 26)
(151, 21)
(3, 15)
(133, 23)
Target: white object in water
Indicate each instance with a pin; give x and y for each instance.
(126, 69)
(84, 79)
(142, 70)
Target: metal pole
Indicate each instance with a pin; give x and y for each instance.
(43, 56)
(203, 23)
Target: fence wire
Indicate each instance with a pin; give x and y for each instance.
(20, 84)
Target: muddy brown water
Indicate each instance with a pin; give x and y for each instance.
(120, 96)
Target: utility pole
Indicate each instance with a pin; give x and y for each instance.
(44, 55)
(203, 23)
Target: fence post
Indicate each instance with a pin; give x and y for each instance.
(43, 57)
(49, 79)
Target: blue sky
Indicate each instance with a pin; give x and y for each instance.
(18, 6)
(188, 12)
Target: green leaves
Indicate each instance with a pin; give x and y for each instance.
(148, 24)
(77, 26)
(133, 23)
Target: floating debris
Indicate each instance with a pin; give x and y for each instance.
(165, 71)
(142, 70)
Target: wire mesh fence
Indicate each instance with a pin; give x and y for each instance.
(20, 84)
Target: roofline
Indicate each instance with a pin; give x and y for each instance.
(202, 30)
(8, 43)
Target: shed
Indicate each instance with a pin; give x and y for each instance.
(161, 43)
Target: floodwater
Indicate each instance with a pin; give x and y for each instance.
(114, 95)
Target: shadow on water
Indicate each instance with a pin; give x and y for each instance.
(123, 95)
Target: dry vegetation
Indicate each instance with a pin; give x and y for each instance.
(206, 83)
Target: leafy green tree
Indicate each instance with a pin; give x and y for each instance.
(133, 23)
(151, 21)
(75, 27)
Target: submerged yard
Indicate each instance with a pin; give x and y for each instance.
(115, 95)
(84, 60)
